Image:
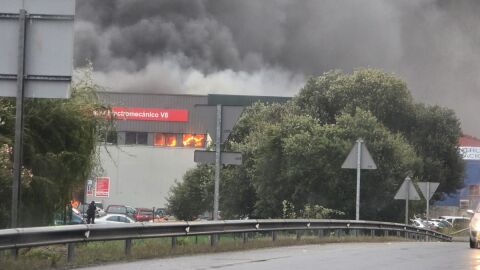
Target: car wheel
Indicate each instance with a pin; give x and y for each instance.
(473, 244)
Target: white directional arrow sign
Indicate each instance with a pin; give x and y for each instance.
(359, 158)
(407, 192)
(428, 189)
(366, 160)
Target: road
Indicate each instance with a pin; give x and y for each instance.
(391, 256)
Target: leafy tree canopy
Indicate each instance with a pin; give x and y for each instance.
(293, 152)
(59, 154)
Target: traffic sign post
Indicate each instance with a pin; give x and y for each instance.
(407, 192)
(359, 158)
(225, 118)
(227, 158)
(36, 62)
(428, 189)
(218, 157)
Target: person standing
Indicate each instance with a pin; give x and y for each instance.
(91, 213)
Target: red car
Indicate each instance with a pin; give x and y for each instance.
(143, 214)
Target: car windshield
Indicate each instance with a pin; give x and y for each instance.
(117, 209)
(160, 212)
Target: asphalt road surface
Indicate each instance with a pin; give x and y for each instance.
(390, 256)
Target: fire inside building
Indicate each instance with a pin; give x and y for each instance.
(153, 145)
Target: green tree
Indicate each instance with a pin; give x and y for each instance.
(299, 160)
(383, 94)
(194, 195)
(435, 135)
(432, 131)
(60, 138)
(293, 152)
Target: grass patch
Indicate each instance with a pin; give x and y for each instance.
(102, 252)
(456, 231)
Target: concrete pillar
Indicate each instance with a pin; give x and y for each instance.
(128, 247)
(274, 236)
(174, 241)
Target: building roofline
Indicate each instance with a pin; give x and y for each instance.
(150, 94)
(468, 140)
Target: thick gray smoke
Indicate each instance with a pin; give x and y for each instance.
(270, 47)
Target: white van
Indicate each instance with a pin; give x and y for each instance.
(457, 221)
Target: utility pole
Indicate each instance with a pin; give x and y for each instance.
(18, 148)
(218, 165)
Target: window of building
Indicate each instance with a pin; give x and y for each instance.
(130, 138)
(165, 139)
(474, 190)
(136, 138)
(142, 138)
(193, 140)
(464, 204)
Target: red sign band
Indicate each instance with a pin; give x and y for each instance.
(150, 114)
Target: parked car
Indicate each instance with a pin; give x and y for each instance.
(161, 215)
(457, 221)
(121, 209)
(114, 219)
(76, 219)
(419, 223)
(441, 223)
(143, 214)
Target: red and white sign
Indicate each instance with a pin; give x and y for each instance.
(102, 187)
(470, 153)
(89, 190)
(150, 114)
(89, 187)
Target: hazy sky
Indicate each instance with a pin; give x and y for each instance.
(270, 47)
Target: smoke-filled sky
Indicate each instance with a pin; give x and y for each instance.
(270, 47)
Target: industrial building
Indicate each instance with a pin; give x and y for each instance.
(153, 146)
(157, 134)
(468, 197)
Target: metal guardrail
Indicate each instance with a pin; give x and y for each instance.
(69, 234)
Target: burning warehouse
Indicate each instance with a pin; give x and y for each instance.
(153, 145)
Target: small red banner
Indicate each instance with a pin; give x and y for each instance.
(150, 114)
(102, 187)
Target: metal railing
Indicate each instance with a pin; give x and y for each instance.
(70, 234)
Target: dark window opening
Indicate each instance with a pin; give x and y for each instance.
(474, 190)
(131, 138)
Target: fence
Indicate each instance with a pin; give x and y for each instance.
(15, 239)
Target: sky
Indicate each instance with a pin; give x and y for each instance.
(271, 47)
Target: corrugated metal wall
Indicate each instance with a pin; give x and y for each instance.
(140, 175)
(162, 101)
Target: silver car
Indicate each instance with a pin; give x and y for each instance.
(474, 228)
(114, 219)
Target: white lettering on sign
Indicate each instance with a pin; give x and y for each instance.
(470, 153)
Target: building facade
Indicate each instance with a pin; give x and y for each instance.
(153, 145)
(468, 197)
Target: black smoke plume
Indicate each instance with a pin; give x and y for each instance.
(271, 46)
